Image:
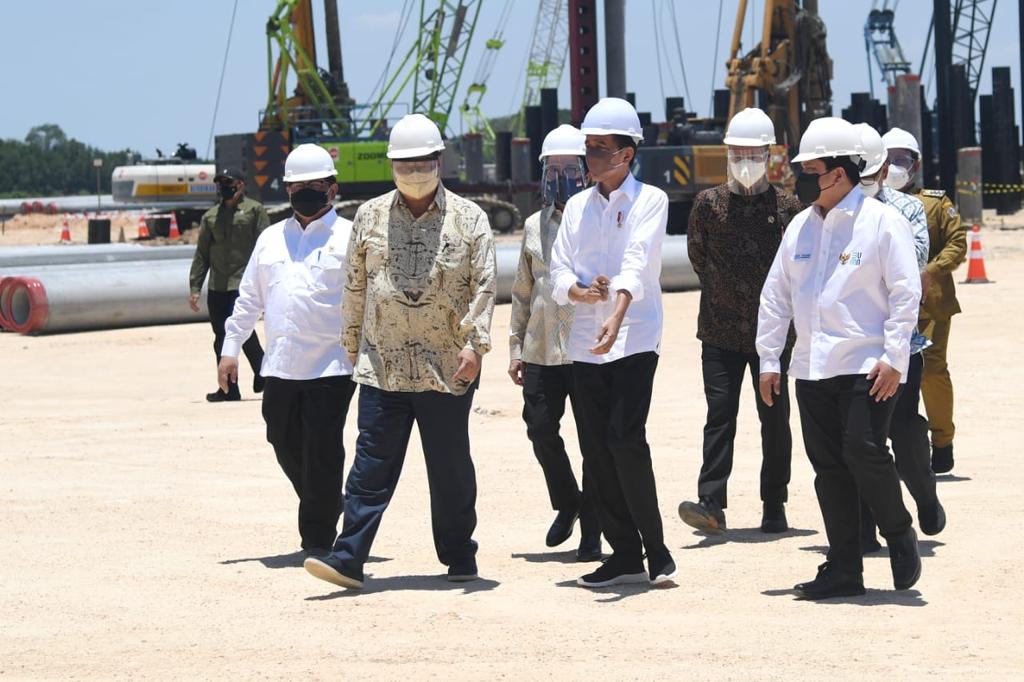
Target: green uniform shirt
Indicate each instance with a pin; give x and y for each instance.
(226, 239)
(947, 249)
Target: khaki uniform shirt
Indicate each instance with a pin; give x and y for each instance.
(948, 249)
(539, 331)
(418, 291)
(226, 240)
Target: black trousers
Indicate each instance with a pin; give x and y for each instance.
(845, 433)
(305, 421)
(385, 423)
(614, 400)
(723, 381)
(545, 389)
(221, 304)
(909, 435)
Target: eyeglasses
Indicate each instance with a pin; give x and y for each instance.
(320, 185)
(410, 167)
(573, 172)
(901, 158)
(755, 154)
(601, 155)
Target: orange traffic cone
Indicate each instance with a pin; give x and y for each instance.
(174, 233)
(65, 233)
(143, 229)
(976, 261)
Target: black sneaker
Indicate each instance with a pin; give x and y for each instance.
(222, 397)
(463, 571)
(773, 518)
(942, 459)
(661, 568)
(561, 527)
(705, 515)
(931, 518)
(334, 570)
(590, 548)
(832, 582)
(257, 383)
(905, 560)
(319, 552)
(615, 572)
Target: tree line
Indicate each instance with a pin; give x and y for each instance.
(48, 163)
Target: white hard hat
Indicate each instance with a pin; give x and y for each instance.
(829, 137)
(308, 162)
(750, 128)
(874, 149)
(898, 138)
(565, 140)
(612, 116)
(413, 136)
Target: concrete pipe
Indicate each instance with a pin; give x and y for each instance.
(26, 256)
(75, 298)
(676, 272)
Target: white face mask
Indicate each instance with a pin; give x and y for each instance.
(417, 185)
(898, 178)
(871, 187)
(748, 172)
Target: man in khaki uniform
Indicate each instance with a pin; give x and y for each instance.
(227, 237)
(947, 250)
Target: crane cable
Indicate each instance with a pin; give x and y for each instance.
(403, 23)
(714, 68)
(220, 85)
(657, 48)
(679, 52)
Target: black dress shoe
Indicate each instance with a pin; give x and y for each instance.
(318, 552)
(905, 560)
(463, 571)
(561, 527)
(334, 570)
(257, 383)
(705, 515)
(942, 459)
(773, 518)
(222, 397)
(590, 548)
(931, 518)
(832, 582)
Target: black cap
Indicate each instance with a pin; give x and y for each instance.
(229, 172)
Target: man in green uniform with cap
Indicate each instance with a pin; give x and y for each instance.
(947, 250)
(227, 235)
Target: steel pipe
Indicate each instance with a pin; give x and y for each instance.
(76, 298)
(25, 256)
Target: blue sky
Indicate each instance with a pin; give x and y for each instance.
(143, 74)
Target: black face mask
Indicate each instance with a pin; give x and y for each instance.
(807, 188)
(308, 202)
(558, 190)
(227, 192)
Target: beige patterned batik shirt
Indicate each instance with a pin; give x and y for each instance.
(418, 292)
(539, 331)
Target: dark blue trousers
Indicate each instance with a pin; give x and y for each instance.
(385, 422)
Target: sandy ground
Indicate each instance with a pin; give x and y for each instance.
(145, 533)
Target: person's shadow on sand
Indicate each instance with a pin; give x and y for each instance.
(751, 536)
(872, 598)
(291, 560)
(416, 583)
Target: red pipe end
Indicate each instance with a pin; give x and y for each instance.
(27, 306)
(4, 319)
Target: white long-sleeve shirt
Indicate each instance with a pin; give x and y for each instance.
(619, 237)
(850, 284)
(296, 278)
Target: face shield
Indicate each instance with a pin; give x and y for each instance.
(748, 170)
(561, 178)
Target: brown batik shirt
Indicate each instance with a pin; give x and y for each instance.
(732, 240)
(418, 291)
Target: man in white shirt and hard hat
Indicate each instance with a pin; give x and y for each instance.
(845, 275)
(606, 261)
(909, 430)
(539, 346)
(733, 234)
(296, 278)
(946, 252)
(418, 303)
